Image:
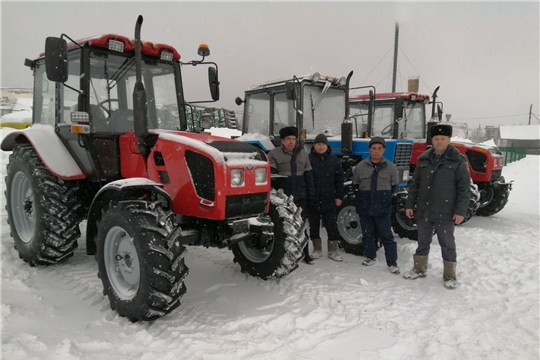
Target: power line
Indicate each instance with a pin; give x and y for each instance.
(491, 117)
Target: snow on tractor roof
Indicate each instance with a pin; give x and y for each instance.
(404, 95)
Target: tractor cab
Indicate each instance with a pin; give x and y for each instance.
(395, 116)
(87, 89)
(314, 103)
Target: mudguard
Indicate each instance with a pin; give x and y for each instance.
(49, 148)
(119, 189)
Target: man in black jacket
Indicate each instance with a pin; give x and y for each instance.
(328, 177)
(440, 191)
(292, 161)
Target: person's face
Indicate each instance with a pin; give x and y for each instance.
(321, 148)
(440, 143)
(376, 152)
(289, 143)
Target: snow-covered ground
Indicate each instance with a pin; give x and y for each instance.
(326, 311)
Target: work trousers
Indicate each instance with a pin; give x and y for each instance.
(329, 219)
(380, 226)
(445, 235)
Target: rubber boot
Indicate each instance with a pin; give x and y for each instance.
(419, 269)
(449, 275)
(333, 252)
(317, 248)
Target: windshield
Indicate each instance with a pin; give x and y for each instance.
(414, 116)
(112, 80)
(383, 118)
(323, 110)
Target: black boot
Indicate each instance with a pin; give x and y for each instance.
(307, 258)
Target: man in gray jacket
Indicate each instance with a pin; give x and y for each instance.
(440, 191)
(374, 181)
(292, 161)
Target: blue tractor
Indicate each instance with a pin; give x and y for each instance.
(318, 104)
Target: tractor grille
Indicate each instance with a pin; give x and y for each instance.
(402, 159)
(201, 169)
(245, 205)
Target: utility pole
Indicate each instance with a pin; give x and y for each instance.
(395, 58)
(530, 112)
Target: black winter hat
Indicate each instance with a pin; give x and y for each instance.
(288, 131)
(377, 140)
(321, 139)
(441, 129)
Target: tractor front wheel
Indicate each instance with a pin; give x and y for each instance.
(348, 223)
(281, 256)
(493, 198)
(141, 265)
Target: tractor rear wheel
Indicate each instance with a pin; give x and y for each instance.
(141, 265)
(493, 199)
(281, 256)
(43, 211)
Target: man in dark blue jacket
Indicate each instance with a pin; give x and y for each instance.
(292, 161)
(328, 176)
(439, 196)
(375, 180)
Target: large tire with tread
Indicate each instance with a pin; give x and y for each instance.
(43, 211)
(493, 199)
(281, 256)
(140, 261)
(348, 223)
(401, 224)
(406, 228)
(474, 203)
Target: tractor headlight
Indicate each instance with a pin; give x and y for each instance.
(260, 176)
(166, 55)
(115, 45)
(237, 177)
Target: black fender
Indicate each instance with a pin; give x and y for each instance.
(134, 188)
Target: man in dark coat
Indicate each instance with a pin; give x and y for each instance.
(375, 180)
(439, 196)
(328, 176)
(292, 161)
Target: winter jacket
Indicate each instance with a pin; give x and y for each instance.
(440, 189)
(328, 178)
(297, 169)
(373, 186)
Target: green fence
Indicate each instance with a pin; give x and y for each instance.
(512, 154)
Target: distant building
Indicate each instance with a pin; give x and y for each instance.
(520, 136)
(9, 97)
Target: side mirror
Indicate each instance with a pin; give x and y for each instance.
(439, 112)
(290, 91)
(214, 83)
(238, 100)
(56, 64)
(399, 109)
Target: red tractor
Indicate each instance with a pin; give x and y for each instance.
(407, 111)
(97, 150)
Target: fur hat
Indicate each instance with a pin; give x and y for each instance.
(377, 140)
(321, 139)
(441, 129)
(288, 131)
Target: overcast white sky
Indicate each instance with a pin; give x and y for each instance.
(483, 55)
